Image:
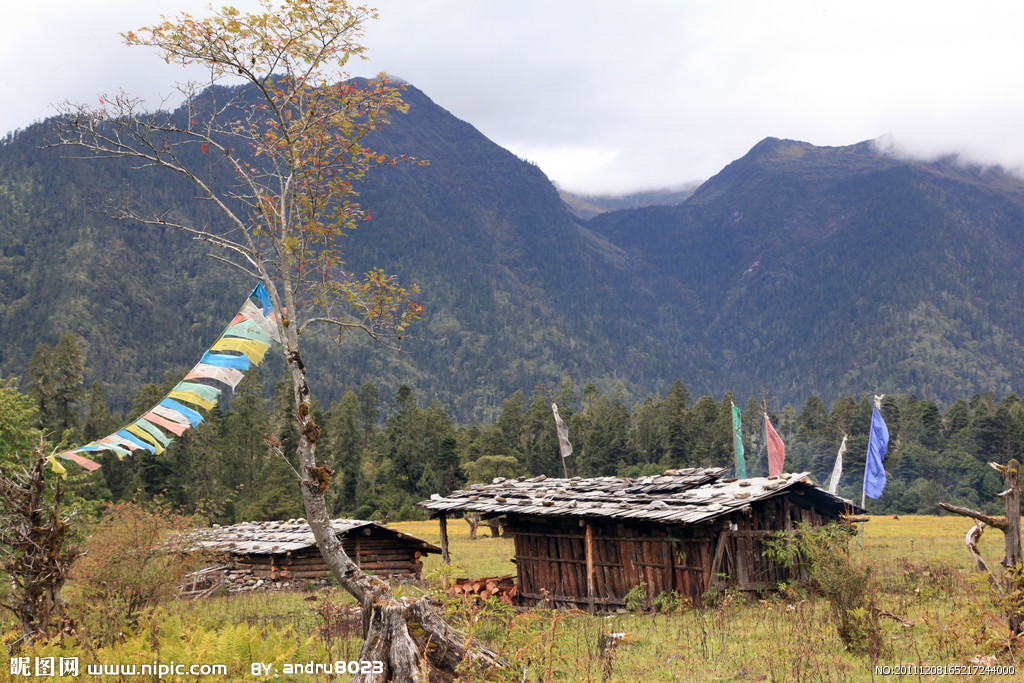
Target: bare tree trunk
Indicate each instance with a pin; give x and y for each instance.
(473, 520)
(1013, 576)
(430, 650)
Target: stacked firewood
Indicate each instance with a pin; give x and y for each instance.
(502, 586)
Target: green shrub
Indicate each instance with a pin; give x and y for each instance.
(849, 587)
(132, 562)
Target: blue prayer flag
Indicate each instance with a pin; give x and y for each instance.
(224, 360)
(189, 414)
(878, 442)
(260, 292)
(136, 440)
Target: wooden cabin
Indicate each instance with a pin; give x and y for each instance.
(585, 543)
(282, 555)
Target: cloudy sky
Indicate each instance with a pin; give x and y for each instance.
(614, 96)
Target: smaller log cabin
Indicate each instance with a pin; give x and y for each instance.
(585, 543)
(281, 555)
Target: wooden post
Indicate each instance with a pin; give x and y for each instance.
(591, 589)
(1011, 496)
(443, 520)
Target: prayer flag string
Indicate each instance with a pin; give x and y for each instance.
(239, 347)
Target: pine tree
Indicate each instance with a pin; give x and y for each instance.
(345, 451)
(57, 385)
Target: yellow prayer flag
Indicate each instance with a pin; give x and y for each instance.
(253, 349)
(145, 436)
(57, 468)
(193, 398)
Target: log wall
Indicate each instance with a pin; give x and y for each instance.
(380, 555)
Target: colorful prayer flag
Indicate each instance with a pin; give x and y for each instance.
(226, 376)
(776, 449)
(260, 292)
(252, 349)
(249, 334)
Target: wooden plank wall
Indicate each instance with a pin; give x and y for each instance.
(551, 555)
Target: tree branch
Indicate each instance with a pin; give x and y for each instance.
(997, 522)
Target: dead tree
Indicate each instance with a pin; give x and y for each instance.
(1011, 586)
(473, 520)
(34, 548)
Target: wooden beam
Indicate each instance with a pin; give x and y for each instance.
(723, 536)
(443, 521)
(1000, 523)
(591, 591)
(1011, 496)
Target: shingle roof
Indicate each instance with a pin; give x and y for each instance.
(685, 496)
(271, 538)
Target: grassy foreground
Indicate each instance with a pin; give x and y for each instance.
(936, 614)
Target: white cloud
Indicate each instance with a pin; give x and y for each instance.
(599, 94)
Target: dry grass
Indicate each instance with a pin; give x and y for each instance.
(924, 575)
(484, 556)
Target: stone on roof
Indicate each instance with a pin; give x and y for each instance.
(683, 496)
(270, 538)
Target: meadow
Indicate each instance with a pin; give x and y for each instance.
(938, 622)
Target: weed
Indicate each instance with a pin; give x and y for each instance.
(636, 597)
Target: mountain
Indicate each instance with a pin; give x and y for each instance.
(796, 270)
(843, 270)
(516, 289)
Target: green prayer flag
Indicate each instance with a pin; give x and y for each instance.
(737, 440)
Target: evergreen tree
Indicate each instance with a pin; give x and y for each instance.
(512, 425)
(246, 428)
(17, 414)
(436, 439)
(674, 426)
(57, 385)
(543, 454)
(400, 432)
(99, 421)
(346, 451)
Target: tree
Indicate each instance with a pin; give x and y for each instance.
(56, 384)
(16, 414)
(279, 158)
(347, 447)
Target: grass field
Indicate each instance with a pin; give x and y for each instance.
(935, 614)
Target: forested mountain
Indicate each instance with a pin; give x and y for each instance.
(837, 270)
(796, 271)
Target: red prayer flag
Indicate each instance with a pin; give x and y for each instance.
(776, 449)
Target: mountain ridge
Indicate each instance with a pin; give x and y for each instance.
(767, 280)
